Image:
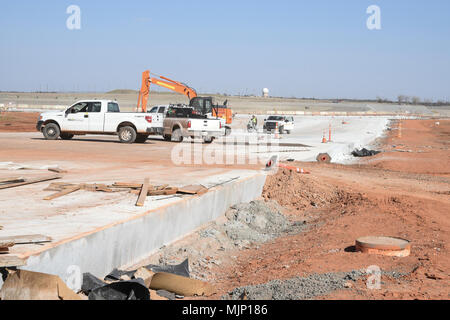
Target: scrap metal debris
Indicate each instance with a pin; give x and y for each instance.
(28, 285)
(169, 281)
(364, 153)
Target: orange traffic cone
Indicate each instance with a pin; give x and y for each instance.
(324, 140)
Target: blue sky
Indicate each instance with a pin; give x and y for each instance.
(297, 48)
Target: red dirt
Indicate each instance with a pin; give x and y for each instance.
(403, 195)
(18, 121)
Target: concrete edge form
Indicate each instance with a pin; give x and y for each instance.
(130, 241)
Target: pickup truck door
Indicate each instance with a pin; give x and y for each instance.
(96, 117)
(76, 118)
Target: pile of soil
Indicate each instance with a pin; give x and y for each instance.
(257, 222)
(298, 192)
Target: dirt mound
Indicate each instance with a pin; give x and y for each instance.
(256, 222)
(298, 192)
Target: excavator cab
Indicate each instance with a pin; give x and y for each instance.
(205, 105)
(202, 105)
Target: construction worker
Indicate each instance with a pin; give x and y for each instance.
(254, 121)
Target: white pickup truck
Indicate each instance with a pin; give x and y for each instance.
(98, 117)
(181, 121)
(281, 124)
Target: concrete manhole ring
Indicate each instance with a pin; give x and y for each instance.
(323, 158)
(388, 246)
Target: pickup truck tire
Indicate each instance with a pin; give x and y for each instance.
(227, 131)
(141, 138)
(281, 130)
(127, 134)
(288, 131)
(177, 136)
(208, 140)
(66, 136)
(51, 131)
(167, 137)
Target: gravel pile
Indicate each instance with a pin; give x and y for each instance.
(296, 288)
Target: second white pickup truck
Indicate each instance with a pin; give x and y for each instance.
(98, 117)
(180, 122)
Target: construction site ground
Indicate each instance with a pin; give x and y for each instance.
(402, 192)
(399, 194)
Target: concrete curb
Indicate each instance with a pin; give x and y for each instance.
(127, 242)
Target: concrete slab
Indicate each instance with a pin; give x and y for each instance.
(98, 232)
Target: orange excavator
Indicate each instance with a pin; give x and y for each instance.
(201, 105)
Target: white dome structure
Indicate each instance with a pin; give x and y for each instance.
(265, 92)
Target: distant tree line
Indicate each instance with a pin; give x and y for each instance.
(414, 100)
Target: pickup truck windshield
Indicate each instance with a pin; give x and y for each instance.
(275, 118)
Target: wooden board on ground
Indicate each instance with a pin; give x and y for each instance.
(11, 180)
(5, 245)
(191, 189)
(30, 181)
(27, 239)
(58, 186)
(127, 185)
(8, 260)
(143, 194)
(57, 170)
(64, 192)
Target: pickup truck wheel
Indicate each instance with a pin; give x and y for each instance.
(281, 130)
(288, 131)
(208, 140)
(66, 136)
(177, 136)
(51, 131)
(167, 137)
(127, 134)
(141, 138)
(227, 131)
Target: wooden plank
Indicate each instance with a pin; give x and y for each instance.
(5, 245)
(58, 186)
(27, 239)
(103, 188)
(127, 185)
(12, 180)
(166, 192)
(57, 170)
(7, 260)
(63, 193)
(191, 189)
(30, 181)
(143, 194)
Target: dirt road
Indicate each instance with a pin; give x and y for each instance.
(18, 121)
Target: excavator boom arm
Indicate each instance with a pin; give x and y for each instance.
(162, 82)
